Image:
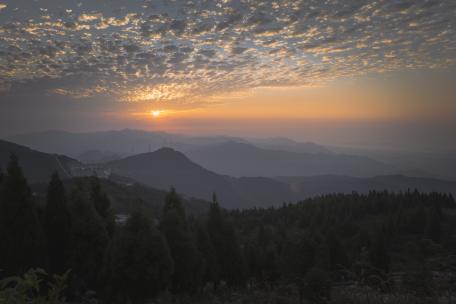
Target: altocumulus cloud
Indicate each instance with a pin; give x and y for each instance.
(181, 51)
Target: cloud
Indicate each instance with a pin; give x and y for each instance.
(205, 48)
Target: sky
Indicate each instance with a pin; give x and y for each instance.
(357, 73)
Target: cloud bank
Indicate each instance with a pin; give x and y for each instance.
(185, 51)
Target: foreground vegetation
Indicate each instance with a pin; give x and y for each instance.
(375, 248)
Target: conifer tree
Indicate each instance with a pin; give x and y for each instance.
(174, 226)
(139, 264)
(21, 235)
(206, 248)
(89, 239)
(102, 204)
(227, 249)
(57, 224)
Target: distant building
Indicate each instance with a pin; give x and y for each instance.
(90, 170)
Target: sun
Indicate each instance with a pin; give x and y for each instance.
(155, 113)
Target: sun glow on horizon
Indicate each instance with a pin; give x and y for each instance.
(156, 113)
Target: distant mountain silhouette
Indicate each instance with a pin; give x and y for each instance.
(37, 166)
(166, 167)
(119, 142)
(241, 159)
(122, 142)
(286, 144)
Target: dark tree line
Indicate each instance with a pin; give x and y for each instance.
(310, 246)
(132, 262)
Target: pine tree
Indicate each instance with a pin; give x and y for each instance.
(57, 226)
(102, 204)
(206, 248)
(227, 249)
(173, 224)
(89, 239)
(21, 235)
(139, 263)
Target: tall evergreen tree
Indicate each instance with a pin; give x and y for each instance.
(174, 226)
(102, 204)
(227, 249)
(89, 239)
(139, 264)
(21, 235)
(206, 248)
(57, 226)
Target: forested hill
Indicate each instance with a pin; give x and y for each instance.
(123, 196)
(381, 245)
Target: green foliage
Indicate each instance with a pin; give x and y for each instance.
(21, 235)
(139, 264)
(102, 204)
(57, 224)
(34, 287)
(187, 260)
(227, 249)
(210, 267)
(89, 239)
(298, 256)
(434, 228)
(337, 256)
(317, 286)
(381, 247)
(261, 255)
(379, 256)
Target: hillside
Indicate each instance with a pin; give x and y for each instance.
(241, 159)
(166, 167)
(122, 195)
(37, 166)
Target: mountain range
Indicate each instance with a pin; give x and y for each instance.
(222, 154)
(242, 159)
(166, 167)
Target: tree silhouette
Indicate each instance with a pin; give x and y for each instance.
(21, 235)
(139, 264)
(89, 239)
(227, 249)
(174, 226)
(102, 204)
(57, 224)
